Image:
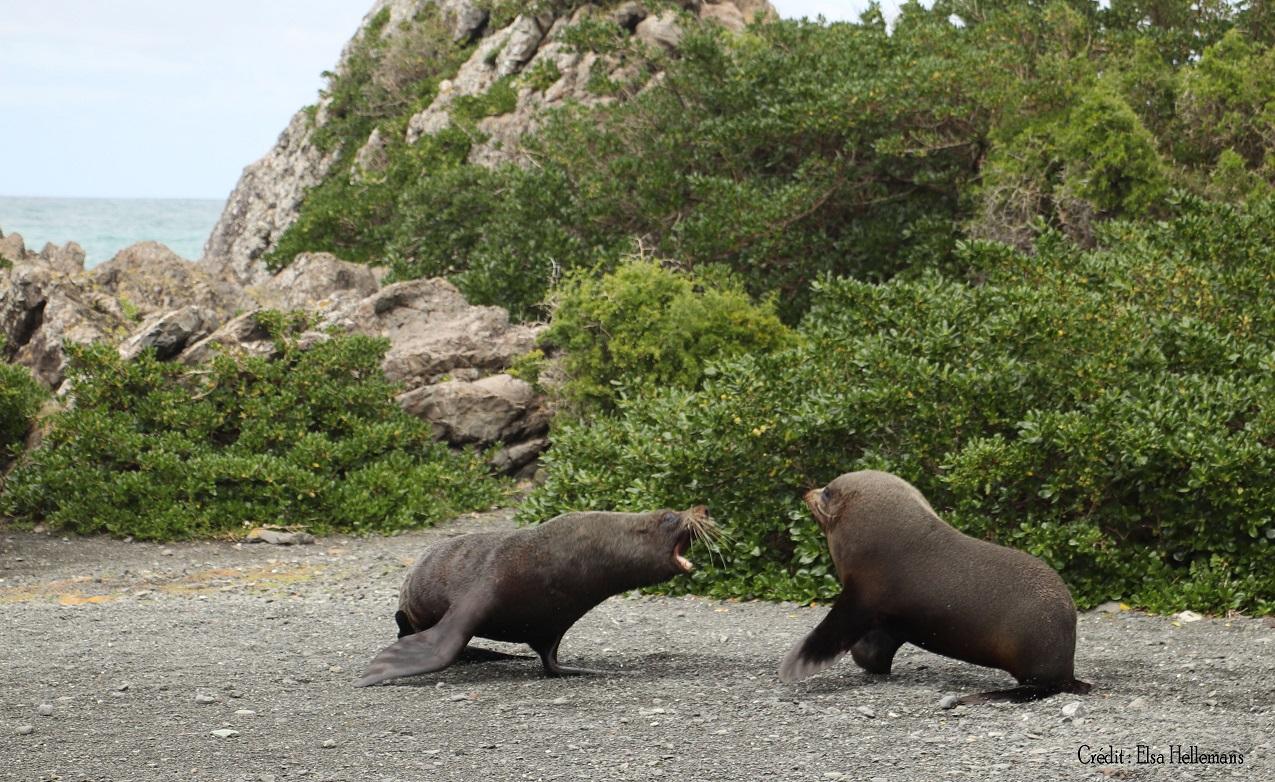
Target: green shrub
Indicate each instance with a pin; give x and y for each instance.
(1112, 411)
(648, 326)
(21, 397)
(313, 438)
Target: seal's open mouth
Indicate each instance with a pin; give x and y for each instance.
(679, 553)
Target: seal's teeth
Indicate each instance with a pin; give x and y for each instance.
(685, 564)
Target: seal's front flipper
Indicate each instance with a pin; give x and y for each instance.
(833, 637)
(874, 652)
(549, 658)
(430, 650)
(1026, 693)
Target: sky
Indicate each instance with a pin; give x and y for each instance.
(164, 99)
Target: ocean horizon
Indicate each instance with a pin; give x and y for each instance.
(104, 226)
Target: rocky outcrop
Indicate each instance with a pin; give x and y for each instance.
(152, 279)
(170, 333)
(268, 197)
(435, 334)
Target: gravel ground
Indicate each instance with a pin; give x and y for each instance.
(122, 661)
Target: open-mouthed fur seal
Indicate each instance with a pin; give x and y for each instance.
(909, 577)
(530, 585)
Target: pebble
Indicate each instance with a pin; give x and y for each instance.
(1074, 709)
(1187, 616)
(948, 702)
(225, 733)
(329, 743)
(245, 713)
(44, 709)
(559, 701)
(866, 711)
(1137, 704)
(203, 697)
(123, 687)
(24, 730)
(458, 697)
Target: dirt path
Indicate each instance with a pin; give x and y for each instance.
(143, 651)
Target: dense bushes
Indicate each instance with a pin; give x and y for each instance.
(20, 399)
(313, 438)
(645, 326)
(1112, 411)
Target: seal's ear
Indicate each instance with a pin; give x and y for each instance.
(669, 517)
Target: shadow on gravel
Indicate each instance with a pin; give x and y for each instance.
(661, 666)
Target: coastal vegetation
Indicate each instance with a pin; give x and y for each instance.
(308, 438)
(1020, 253)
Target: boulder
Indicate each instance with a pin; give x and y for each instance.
(433, 331)
(318, 282)
(153, 279)
(65, 258)
(525, 36)
(725, 14)
(242, 333)
(660, 30)
(40, 309)
(12, 248)
(171, 332)
(513, 459)
(499, 408)
(466, 19)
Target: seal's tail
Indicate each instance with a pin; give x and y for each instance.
(1026, 693)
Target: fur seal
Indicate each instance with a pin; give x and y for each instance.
(530, 585)
(909, 577)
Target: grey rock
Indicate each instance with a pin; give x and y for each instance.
(866, 711)
(511, 459)
(525, 35)
(280, 538)
(725, 14)
(44, 709)
(266, 200)
(434, 331)
(1137, 704)
(66, 258)
(628, 15)
(467, 19)
(498, 408)
(661, 30)
(225, 733)
(1074, 709)
(372, 157)
(245, 713)
(242, 333)
(317, 282)
(205, 698)
(152, 279)
(24, 730)
(948, 702)
(1109, 607)
(170, 333)
(329, 743)
(13, 248)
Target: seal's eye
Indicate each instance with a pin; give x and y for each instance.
(826, 494)
(667, 518)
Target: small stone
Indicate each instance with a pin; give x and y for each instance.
(458, 697)
(866, 711)
(44, 709)
(948, 702)
(245, 713)
(225, 733)
(24, 730)
(1110, 607)
(1187, 616)
(123, 687)
(1074, 709)
(329, 743)
(1137, 704)
(559, 701)
(203, 697)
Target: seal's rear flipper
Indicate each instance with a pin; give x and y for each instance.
(840, 629)
(431, 650)
(1026, 693)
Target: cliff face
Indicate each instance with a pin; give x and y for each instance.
(268, 197)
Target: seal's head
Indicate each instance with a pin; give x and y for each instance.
(827, 503)
(681, 528)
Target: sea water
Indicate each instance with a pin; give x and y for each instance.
(104, 226)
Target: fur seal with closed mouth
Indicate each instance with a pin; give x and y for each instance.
(909, 577)
(530, 585)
